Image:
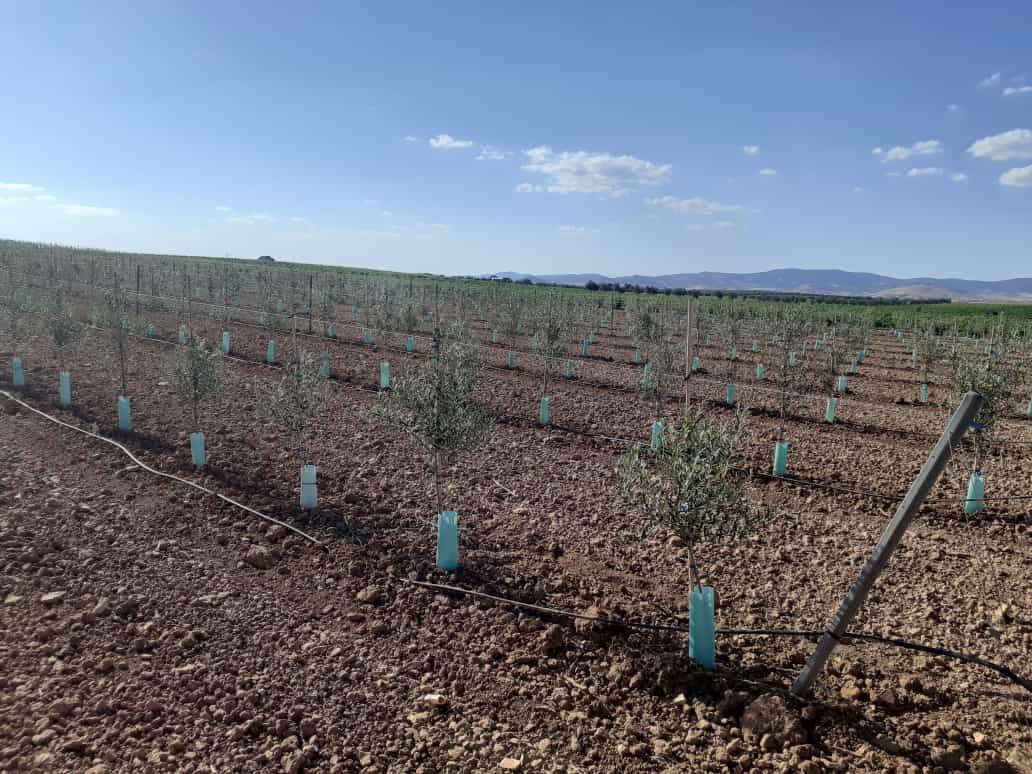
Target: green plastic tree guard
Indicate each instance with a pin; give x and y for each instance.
(494, 336)
(225, 342)
(448, 541)
(197, 449)
(569, 369)
(430, 315)
(829, 411)
(279, 306)
(125, 414)
(702, 644)
(759, 371)
(330, 331)
(852, 367)
(270, 352)
(182, 334)
(734, 353)
(367, 338)
(1029, 409)
(730, 397)
(410, 344)
(791, 359)
(591, 337)
(924, 393)
(151, 332)
(544, 411)
(780, 457)
(913, 359)
(17, 372)
(385, 375)
(637, 356)
(309, 488)
(842, 383)
(657, 434)
(975, 493)
(755, 346)
(64, 388)
(696, 364)
(646, 378)
(512, 359)
(325, 370)
(584, 347)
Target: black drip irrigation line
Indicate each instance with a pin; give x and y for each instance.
(618, 622)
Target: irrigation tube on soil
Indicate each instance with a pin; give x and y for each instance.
(151, 470)
(1007, 672)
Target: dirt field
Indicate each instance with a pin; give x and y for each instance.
(146, 626)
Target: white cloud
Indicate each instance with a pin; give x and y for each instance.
(410, 138)
(223, 208)
(22, 187)
(387, 214)
(1006, 146)
(857, 189)
(893, 174)
(13, 199)
(86, 211)
(528, 188)
(1019, 177)
(958, 177)
(924, 171)
(992, 80)
(1010, 90)
(44, 198)
(576, 231)
(601, 173)
(447, 142)
(716, 225)
(952, 108)
(768, 172)
(297, 219)
(695, 205)
(900, 152)
(491, 153)
(252, 218)
(751, 150)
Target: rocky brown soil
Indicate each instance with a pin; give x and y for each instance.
(149, 627)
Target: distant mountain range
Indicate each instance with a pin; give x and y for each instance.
(823, 281)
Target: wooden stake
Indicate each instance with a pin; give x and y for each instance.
(857, 594)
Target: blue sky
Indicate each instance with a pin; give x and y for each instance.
(470, 137)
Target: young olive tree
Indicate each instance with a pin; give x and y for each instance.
(64, 329)
(794, 378)
(18, 308)
(687, 483)
(997, 379)
(197, 375)
(435, 408)
(729, 329)
(512, 316)
(664, 356)
(114, 315)
(548, 341)
(294, 401)
(929, 349)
